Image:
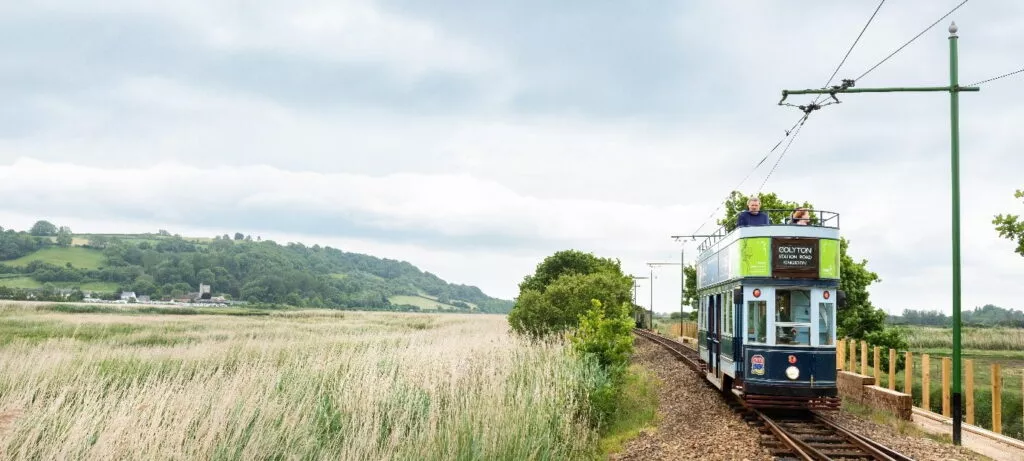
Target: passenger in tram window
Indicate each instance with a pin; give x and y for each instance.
(752, 216)
(800, 217)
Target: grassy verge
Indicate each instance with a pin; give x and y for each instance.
(900, 426)
(638, 408)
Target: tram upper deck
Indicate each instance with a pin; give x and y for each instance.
(779, 252)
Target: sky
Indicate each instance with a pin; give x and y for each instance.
(473, 139)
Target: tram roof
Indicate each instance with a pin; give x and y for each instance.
(825, 224)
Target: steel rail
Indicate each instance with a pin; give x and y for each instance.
(798, 447)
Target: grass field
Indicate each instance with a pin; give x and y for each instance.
(82, 258)
(287, 385)
(28, 282)
(997, 339)
(421, 302)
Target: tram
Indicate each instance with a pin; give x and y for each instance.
(768, 297)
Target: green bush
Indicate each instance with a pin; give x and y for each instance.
(889, 338)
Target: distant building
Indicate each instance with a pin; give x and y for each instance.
(204, 291)
(144, 299)
(128, 296)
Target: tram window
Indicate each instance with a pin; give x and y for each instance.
(732, 312)
(757, 316)
(727, 309)
(793, 317)
(792, 306)
(826, 323)
(793, 335)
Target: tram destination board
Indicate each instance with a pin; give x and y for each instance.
(794, 257)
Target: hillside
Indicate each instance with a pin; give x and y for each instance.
(165, 266)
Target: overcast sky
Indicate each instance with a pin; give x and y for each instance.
(475, 138)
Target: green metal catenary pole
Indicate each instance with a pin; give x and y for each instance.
(954, 90)
(954, 98)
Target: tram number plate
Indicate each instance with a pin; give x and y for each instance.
(757, 365)
(795, 257)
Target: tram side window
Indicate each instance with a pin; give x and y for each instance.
(727, 312)
(826, 323)
(757, 318)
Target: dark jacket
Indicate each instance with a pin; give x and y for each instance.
(746, 218)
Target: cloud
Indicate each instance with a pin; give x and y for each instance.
(478, 138)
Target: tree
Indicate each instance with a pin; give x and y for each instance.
(564, 263)
(690, 287)
(1011, 227)
(64, 238)
(859, 318)
(43, 229)
(98, 241)
(239, 236)
(563, 289)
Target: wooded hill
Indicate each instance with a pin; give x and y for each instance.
(164, 266)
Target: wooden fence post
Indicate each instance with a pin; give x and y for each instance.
(908, 375)
(864, 358)
(997, 400)
(969, 391)
(926, 388)
(878, 359)
(947, 373)
(840, 355)
(892, 369)
(853, 356)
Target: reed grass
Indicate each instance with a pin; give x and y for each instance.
(1009, 339)
(295, 385)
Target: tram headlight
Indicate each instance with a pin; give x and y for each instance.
(792, 373)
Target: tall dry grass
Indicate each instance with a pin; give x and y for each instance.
(307, 385)
(1008, 339)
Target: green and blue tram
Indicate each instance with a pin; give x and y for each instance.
(767, 310)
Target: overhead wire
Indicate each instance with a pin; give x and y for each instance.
(852, 45)
(926, 29)
(796, 126)
(783, 154)
(997, 78)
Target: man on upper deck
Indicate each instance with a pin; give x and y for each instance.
(752, 216)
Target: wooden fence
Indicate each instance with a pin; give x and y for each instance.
(687, 329)
(847, 360)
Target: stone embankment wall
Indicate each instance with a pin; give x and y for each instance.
(862, 389)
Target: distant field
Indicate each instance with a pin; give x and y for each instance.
(420, 302)
(1006, 339)
(81, 239)
(82, 258)
(983, 346)
(313, 384)
(27, 282)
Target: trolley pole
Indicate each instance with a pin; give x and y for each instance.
(651, 265)
(682, 268)
(636, 285)
(954, 90)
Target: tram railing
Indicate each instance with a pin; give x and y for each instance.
(778, 217)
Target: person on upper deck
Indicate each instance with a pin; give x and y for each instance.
(753, 216)
(800, 217)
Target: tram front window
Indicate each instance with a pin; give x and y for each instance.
(757, 318)
(793, 317)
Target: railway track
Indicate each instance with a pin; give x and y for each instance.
(793, 434)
